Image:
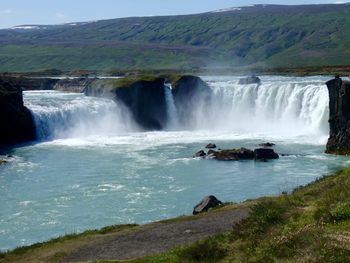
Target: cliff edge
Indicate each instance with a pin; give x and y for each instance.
(339, 116)
(16, 123)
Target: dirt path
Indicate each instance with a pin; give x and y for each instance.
(159, 237)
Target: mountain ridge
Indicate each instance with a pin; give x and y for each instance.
(257, 36)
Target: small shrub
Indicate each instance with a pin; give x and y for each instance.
(341, 211)
(322, 214)
(210, 250)
(263, 216)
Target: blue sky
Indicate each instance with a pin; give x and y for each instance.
(17, 12)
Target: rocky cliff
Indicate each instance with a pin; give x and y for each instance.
(28, 83)
(143, 96)
(37, 83)
(146, 97)
(339, 116)
(77, 85)
(16, 123)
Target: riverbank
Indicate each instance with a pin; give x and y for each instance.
(311, 224)
(343, 70)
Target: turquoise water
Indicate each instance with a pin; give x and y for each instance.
(116, 175)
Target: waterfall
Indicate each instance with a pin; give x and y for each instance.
(284, 107)
(64, 115)
(276, 107)
(173, 121)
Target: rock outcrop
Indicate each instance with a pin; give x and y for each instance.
(35, 83)
(233, 155)
(267, 144)
(200, 154)
(30, 83)
(190, 94)
(144, 97)
(16, 122)
(211, 146)
(207, 203)
(76, 85)
(339, 116)
(250, 80)
(238, 154)
(265, 154)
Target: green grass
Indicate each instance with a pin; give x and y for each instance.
(63, 242)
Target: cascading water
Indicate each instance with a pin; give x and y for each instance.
(173, 120)
(287, 108)
(63, 115)
(283, 107)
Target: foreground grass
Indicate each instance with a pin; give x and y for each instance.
(312, 224)
(57, 248)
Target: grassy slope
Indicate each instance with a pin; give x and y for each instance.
(312, 224)
(257, 36)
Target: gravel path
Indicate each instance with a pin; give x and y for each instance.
(159, 237)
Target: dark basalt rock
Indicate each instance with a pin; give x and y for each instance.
(191, 93)
(250, 80)
(265, 154)
(212, 153)
(145, 98)
(233, 154)
(146, 101)
(207, 203)
(339, 117)
(239, 154)
(200, 154)
(76, 85)
(16, 123)
(211, 146)
(30, 83)
(267, 144)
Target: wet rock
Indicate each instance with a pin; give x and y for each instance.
(249, 80)
(267, 144)
(211, 146)
(234, 155)
(3, 162)
(212, 152)
(29, 83)
(207, 203)
(339, 116)
(265, 154)
(16, 122)
(143, 96)
(200, 154)
(76, 85)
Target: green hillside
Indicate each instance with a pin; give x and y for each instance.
(264, 36)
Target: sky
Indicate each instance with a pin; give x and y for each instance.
(19, 12)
